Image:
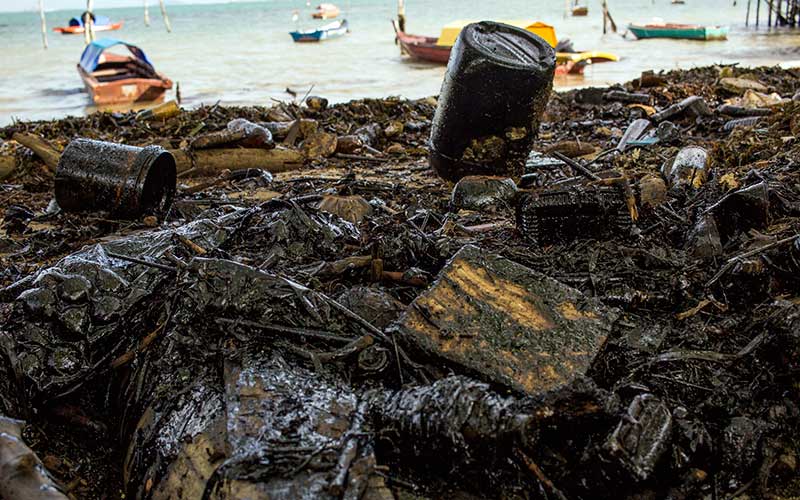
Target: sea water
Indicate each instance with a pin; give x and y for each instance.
(242, 54)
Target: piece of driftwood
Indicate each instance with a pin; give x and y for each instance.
(43, 149)
(208, 161)
(215, 139)
(22, 474)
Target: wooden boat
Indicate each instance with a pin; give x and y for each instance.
(332, 30)
(451, 30)
(430, 49)
(580, 11)
(326, 11)
(99, 23)
(680, 31)
(116, 79)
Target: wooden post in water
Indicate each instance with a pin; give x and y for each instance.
(758, 11)
(146, 14)
(44, 23)
(747, 19)
(607, 19)
(769, 14)
(401, 15)
(165, 16)
(88, 24)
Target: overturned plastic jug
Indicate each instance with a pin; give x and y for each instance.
(126, 181)
(497, 85)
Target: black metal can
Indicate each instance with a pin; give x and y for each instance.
(126, 181)
(497, 84)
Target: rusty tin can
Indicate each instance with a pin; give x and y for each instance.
(497, 84)
(126, 181)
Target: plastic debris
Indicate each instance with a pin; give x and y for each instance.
(479, 192)
(688, 168)
(124, 180)
(642, 436)
(477, 130)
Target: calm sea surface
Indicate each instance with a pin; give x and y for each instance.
(241, 53)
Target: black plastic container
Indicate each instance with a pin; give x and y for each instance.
(497, 85)
(126, 181)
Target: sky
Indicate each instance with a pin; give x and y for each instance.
(23, 5)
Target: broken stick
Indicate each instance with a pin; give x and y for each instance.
(48, 154)
(209, 161)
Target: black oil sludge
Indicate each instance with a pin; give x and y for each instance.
(126, 181)
(497, 85)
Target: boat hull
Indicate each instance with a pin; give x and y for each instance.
(77, 30)
(125, 91)
(313, 36)
(425, 48)
(679, 32)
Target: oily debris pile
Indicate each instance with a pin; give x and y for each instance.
(623, 321)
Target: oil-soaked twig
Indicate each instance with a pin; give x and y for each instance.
(752, 253)
(303, 332)
(540, 475)
(135, 260)
(577, 166)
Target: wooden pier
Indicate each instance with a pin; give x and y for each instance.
(777, 12)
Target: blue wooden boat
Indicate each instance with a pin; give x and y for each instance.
(680, 31)
(332, 30)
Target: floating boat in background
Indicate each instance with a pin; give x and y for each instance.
(437, 50)
(451, 30)
(326, 11)
(679, 31)
(99, 23)
(332, 30)
(117, 79)
(580, 10)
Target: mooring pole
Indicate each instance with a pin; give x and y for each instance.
(769, 14)
(758, 11)
(44, 23)
(88, 24)
(165, 16)
(747, 19)
(401, 15)
(146, 14)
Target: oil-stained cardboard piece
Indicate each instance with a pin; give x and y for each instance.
(506, 322)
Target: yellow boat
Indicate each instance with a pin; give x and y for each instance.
(569, 62)
(450, 31)
(591, 56)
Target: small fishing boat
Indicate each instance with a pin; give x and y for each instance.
(326, 11)
(580, 10)
(680, 31)
(117, 79)
(332, 30)
(437, 50)
(99, 23)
